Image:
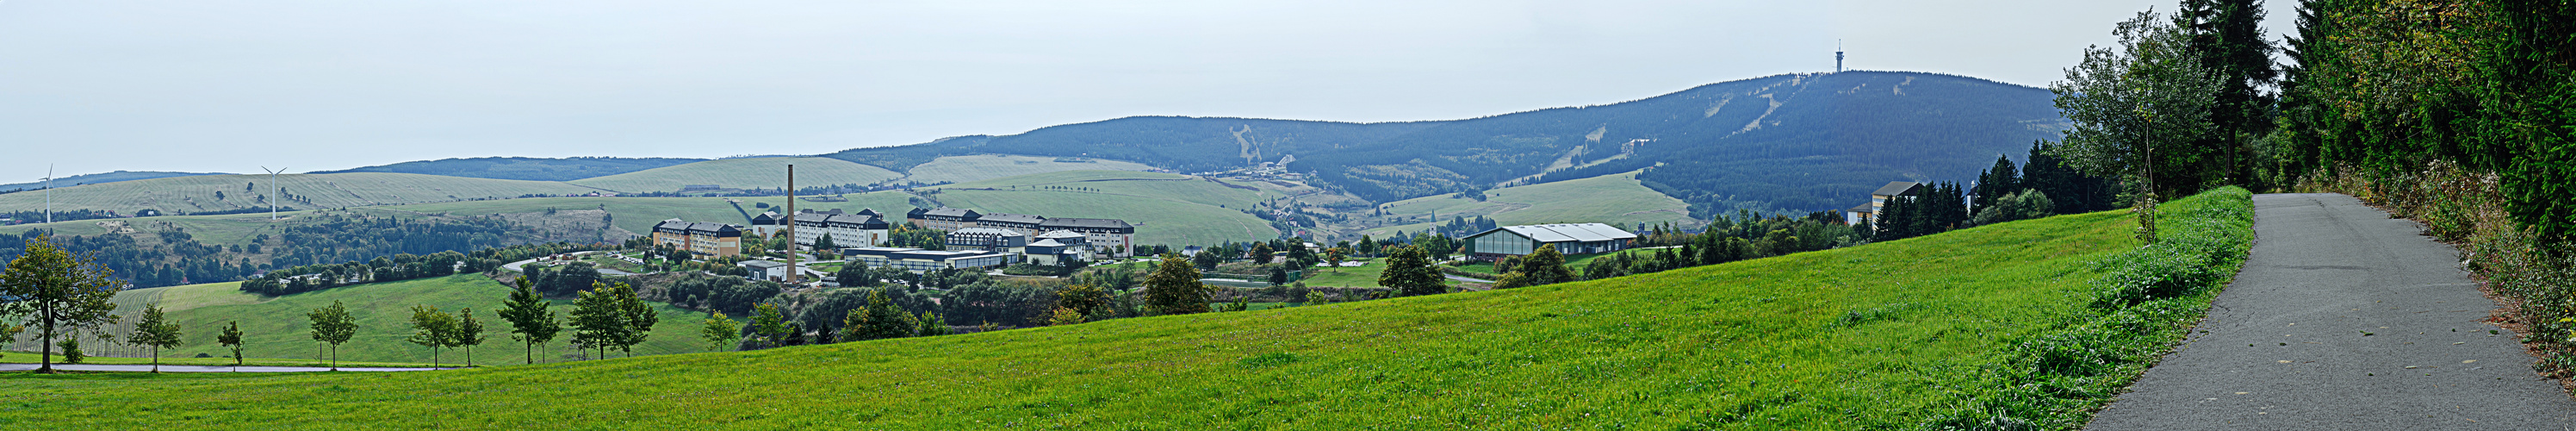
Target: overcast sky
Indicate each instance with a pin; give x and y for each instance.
(229, 85)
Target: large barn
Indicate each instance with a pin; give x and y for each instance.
(1576, 238)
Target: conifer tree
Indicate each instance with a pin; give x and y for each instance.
(469, 333)
(530, 322)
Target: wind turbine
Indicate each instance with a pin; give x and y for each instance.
(49, 193)
(273, 187)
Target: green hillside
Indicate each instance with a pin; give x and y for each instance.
(639, 214)
(99, 178)
(1877, 336)
(197, 193)
(763, 172)
(960, 169)
(1615, 199)
(1169, 208)
(275, 327)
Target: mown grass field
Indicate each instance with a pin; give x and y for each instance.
(964, 169)
(639, 214)
(197, 193)
(1868, 337)
(275, 327)
(763, 172)
(1615, 199)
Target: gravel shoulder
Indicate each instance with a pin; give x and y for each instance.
(2344, 318)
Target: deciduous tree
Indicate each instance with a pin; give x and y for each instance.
(469, 333)
(2137, 112)
(1174, 288)
(55, 291)
(231, 338)
(879, 320)
(433, 329)
(769, 324)
(1545, 266)
(155, 330)
(719, 331)
(333, 325)
(1409, 271)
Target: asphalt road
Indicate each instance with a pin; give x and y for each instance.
(2344, 319)
(200, 368)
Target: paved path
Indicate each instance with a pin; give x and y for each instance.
(2356, 321)
(200, 368)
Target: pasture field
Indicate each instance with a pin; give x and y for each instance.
(275, 327)
(1868, 337)
(963, 169)
(761, 172)
(1154, 185)
(639, 214)
(197, 193)
(1618, 200)
(1162, 221)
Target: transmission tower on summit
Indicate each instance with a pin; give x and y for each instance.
(1838, 56)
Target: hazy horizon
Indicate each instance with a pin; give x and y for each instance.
(164, 85)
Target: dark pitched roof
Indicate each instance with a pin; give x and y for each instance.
(1861, 208)
(1086, 223)
(765, 219)
(1894, 188)
(952, 212)
(1011, 218)
(869, 212)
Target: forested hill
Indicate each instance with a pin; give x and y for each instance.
(525, 168)
(1789, 142)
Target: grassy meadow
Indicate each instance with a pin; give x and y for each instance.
(1869, 337)
(1615, 199)
(964, 169)
(197, 193)
(762, 172)
(275, 327)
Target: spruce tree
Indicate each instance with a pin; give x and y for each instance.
(530, 322)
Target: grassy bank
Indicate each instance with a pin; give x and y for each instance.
(1887, 335)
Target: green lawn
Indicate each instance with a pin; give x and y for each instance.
(1615, 199)
(197, 193)
(965, 169)
(1869, 337)
(275, 327)
(762, 172)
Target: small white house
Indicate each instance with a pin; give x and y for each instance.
(766, 269)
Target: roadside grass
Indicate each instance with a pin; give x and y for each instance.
(965, 169)
(1619, 200)
(761, 172)
(197, 193)
(275, 327)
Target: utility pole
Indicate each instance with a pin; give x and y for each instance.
(791, 225)
(275, 189)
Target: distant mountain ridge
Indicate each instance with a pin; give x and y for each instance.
(101, 178)
(1785, 142)
(525, 168)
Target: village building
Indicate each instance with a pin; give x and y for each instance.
(1574, 238)
(766, 269)
(919, 260)
(988, 239)
(708, 239)
(1107, 236)
(1054, 248)
(862, 229)
(1866, 214)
